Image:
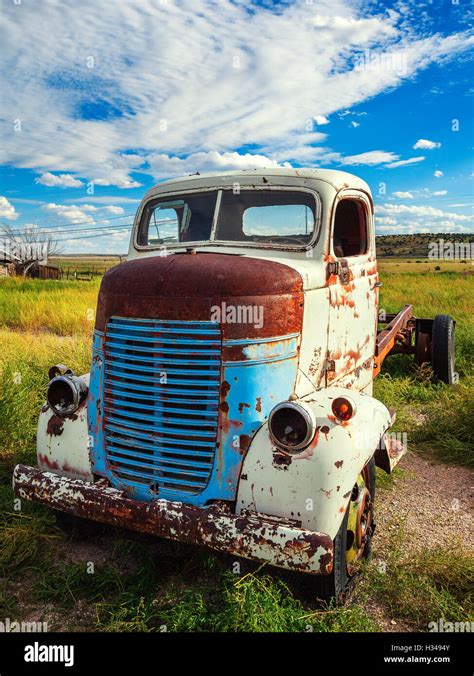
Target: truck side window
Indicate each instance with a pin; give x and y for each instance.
(350, 229)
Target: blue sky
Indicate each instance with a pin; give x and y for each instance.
(102, 104)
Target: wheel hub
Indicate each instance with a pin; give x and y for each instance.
(359, 522)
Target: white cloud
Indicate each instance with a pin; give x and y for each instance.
(7, 210)
(370, 157)
(432, 212)
(82, 214)
(424, 144)
(404, 163)
(438, 173)
(173, 102)
(71, 213)
(321, 119)
(439, 193)
(386, 220)
(354, 124)
(104, 199)
(62, 180)
(403, 195)
(345, 113)
(115, 210)
(119, 181)
(412, 227)
(162, 166)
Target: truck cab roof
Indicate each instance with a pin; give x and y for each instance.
(271, 177)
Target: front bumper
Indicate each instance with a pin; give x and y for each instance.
(252, 536)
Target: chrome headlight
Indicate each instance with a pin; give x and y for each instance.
(66, 393)
(292, 425)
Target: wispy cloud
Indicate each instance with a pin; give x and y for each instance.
(61, 180)
(370, 157)
(83, 214)
(404, 163)
(424, 144)
(403, 195)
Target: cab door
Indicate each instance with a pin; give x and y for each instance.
(352, 280)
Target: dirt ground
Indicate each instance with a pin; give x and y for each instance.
(433, 503)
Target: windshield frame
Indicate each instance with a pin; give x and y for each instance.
(212, 241)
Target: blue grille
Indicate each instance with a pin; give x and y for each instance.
(162, 382)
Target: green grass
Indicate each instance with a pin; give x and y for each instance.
(423, 587)
(61, 307)
(24, 363)
(252, 603)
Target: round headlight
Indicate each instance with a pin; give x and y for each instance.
(64, 394)
(292, 426)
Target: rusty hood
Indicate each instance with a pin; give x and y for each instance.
(186, 286)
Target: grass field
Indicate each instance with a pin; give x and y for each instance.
(142, 584)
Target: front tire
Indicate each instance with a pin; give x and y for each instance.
(353, 541)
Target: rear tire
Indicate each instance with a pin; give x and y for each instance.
(442, 348)
(334, 585)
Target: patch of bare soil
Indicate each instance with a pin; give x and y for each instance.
(431, 502)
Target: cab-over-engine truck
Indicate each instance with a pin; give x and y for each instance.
(229, 401)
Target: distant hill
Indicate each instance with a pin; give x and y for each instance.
(415, 246)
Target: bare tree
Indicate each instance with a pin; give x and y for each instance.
(27, 247)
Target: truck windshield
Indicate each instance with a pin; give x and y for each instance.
(280, 217)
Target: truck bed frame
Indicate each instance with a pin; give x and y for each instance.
(397, 337)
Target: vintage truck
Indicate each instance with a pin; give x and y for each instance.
(229, 401)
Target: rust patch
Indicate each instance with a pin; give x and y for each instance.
(187, 287)
(44, 461)
(281, 460)
(258, 405)
(243, 405)
(244, 443)
(225, 387)
(55, 426)
(339, 463)
(325, 561)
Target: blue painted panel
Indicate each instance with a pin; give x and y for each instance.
(254, 391)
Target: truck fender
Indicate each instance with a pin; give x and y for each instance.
(313, 486)
(62, 443)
